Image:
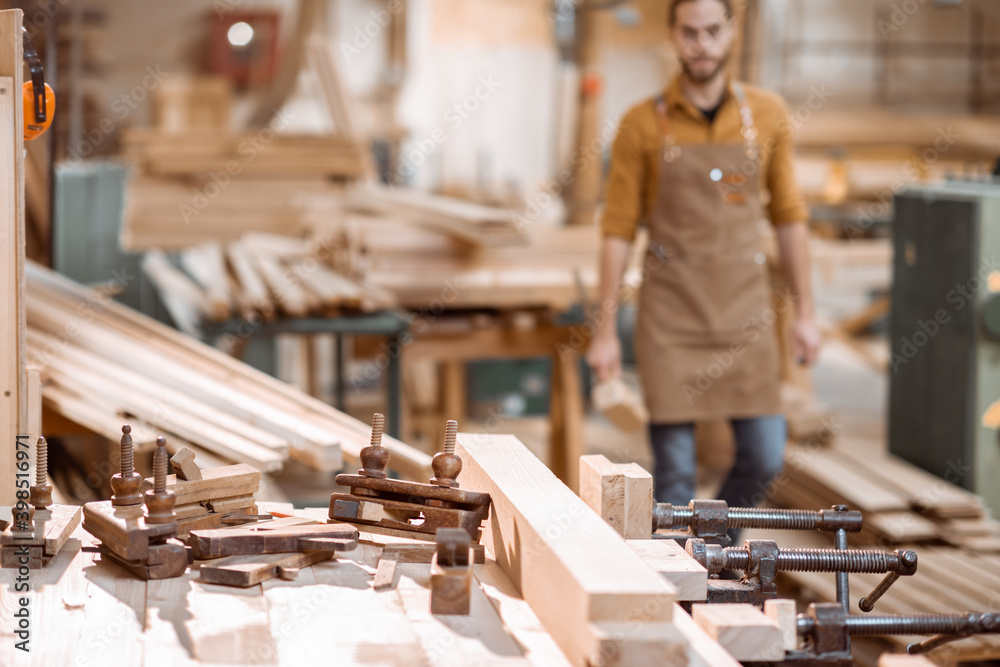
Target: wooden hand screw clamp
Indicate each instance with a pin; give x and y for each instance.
(34, 542)
(451, 573)
(141, 542)
(416, 508)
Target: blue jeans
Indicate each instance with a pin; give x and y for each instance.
(760, 448)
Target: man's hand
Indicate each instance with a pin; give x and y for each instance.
(806, 340)
(605, 356)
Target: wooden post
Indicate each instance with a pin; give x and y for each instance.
(13, 378)
(605, 608)
(622, 493)
(584, 190)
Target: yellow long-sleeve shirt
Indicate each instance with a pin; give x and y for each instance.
(637, 152)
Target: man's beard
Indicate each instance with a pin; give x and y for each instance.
(703, 78)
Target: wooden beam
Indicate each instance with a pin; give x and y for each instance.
(675, 565)
(13, 404)
(622, 493)
(784, 613)
(899, 660)
(596, 597)
(741, 629)
(702, 650)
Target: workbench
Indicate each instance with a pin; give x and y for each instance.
(558, 587)
(87, 612)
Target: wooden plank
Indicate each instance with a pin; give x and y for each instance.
(674, 564)
(566, 416)
(140, 395)
(184, 465)
(742, 629)
(622, 493)
(619, 404)
(842, 480)
(783, 612)
(901, 660)
(178, 356)
(187, 304)
(12, 246)
(226, 482)
(537, 532)
(702, 651)
(251, 569)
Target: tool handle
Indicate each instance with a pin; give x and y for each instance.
(867, 603)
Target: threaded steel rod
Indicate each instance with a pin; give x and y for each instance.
(41, 462)
(930, 624)
(818, 560)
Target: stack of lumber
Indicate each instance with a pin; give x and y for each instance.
(475, 223)
(554, 267)
(213, 494)
(256, 278)
(103, 364)
(901, 503)
(264, 153)
(172, 214)
(862, 155)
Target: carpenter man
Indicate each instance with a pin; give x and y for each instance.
(693, 164)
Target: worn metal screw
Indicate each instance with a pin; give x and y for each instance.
(375, 457)
(159, 501)
(446, 464)
(41, 492)
(126, 484)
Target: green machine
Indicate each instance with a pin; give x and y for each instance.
(944, 375)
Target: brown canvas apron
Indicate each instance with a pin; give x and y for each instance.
(705, 341)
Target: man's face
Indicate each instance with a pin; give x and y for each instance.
(703, 37)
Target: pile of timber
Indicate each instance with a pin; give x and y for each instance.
(257, 278)
(554, 267)
(477, 224)
(204, 497)
(902, 504)
(195, 153)
(103, 364)
(173, 214)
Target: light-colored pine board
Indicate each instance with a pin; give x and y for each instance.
(902, 660)
(537, 531)
(622, 493)
(742, 629)
(784, 613)
(258, 395)
(702, 650)
(226, 482)
(675, 565)
(12, 246)
(842, 480)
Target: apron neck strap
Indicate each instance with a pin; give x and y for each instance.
(747, 129)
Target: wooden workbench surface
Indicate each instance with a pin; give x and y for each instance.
(87, 612)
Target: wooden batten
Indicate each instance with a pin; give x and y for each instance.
(595, 596)
(13, 379)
